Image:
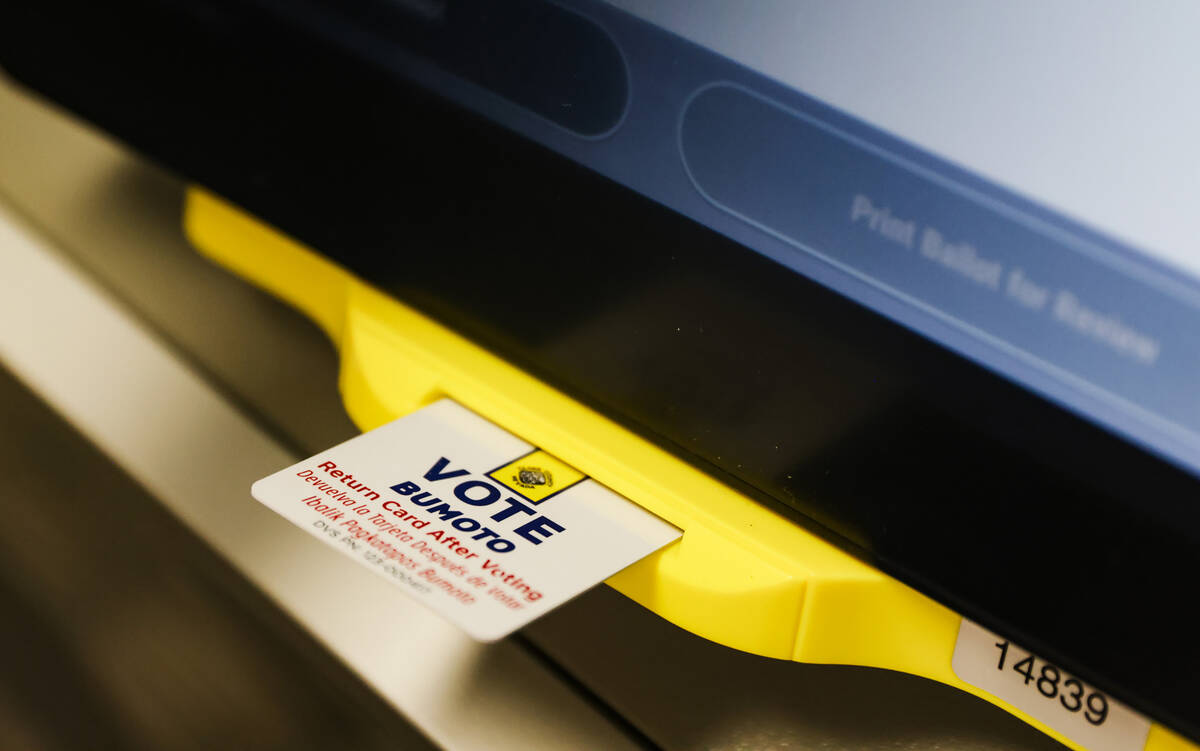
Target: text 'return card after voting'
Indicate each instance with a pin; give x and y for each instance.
(470, 520)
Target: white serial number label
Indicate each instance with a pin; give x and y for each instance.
(1080, 712)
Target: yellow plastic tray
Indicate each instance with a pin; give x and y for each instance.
(741, 575)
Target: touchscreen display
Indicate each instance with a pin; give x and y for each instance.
(1010, 182)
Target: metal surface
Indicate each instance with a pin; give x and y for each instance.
(125, 631)
(161, 421)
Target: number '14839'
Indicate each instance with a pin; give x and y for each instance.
(1053, 683)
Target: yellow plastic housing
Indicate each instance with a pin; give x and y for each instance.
(741, 575)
